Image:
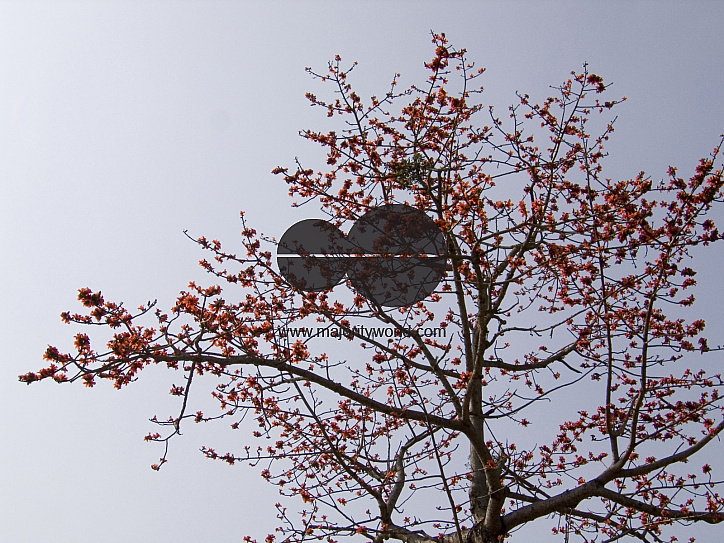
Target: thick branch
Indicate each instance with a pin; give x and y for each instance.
(250, 360)
(678, 457)
(711, 518)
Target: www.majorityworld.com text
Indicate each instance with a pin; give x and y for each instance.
(369, 332)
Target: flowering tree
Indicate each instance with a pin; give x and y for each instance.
(561, 289)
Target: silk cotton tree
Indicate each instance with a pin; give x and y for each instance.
(569, 389)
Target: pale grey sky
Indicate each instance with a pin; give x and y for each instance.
(124, 123)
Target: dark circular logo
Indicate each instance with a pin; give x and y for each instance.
(394, 255)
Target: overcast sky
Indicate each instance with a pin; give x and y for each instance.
(124, 123)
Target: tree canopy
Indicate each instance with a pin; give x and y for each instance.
(557, 371)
